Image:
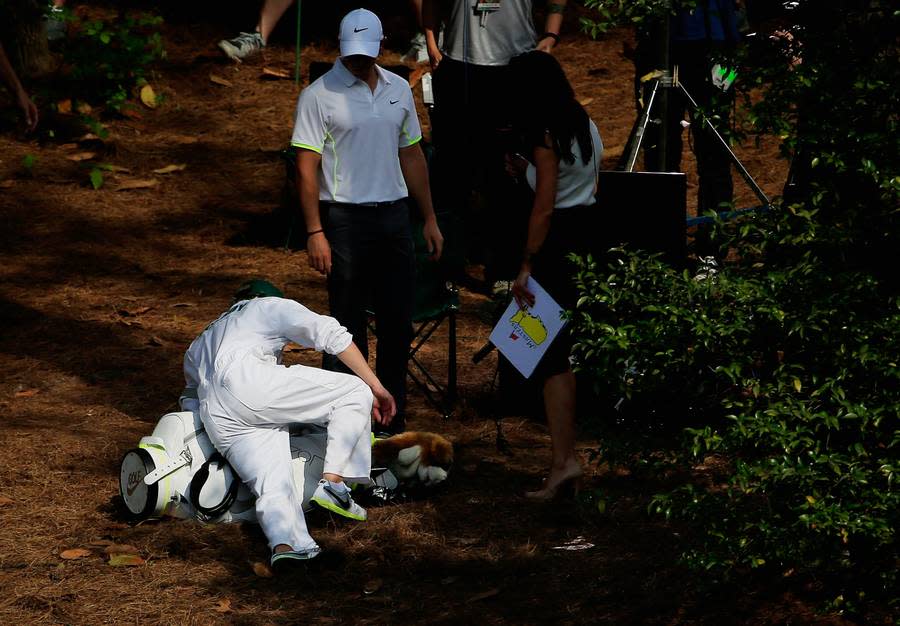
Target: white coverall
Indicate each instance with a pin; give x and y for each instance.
(247, 399)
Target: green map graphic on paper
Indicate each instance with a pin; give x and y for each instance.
(532, 326)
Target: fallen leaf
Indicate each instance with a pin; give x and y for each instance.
(168, 169)
(131, 112)
(220, 81)
(84, 108)
(4, 501)
(64, 106)
(262, 570)
(88, 137)
(81, 156)
(134, 312)
(372, 586)
(120, 548)
(585, 101)
(69, 146)
(182, 304)
(490, 593)
(156, 341)
(224, 606)
(137, 183)
(75, 553)
(148, 96)
(125, 560)
(578, 543)
(101, 543)
(109, 167)
(27, 393)
(275, 74)
(7, 184)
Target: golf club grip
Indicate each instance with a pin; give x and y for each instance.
(482, 352)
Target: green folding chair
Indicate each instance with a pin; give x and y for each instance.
(436, 301)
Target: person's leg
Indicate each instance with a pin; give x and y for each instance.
(258, 393)
(559, 404)
(262, 458)
(345, 227)
(394, 284)
(714, 184)
(271, 12)
(451, 170)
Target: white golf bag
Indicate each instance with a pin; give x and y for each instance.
(177, 472)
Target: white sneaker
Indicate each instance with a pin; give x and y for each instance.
(284, 560)
(418, 51)
(242, 46)
(337, 500)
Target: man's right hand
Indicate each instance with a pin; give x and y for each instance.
(384, 407)
(319, 251)
(434, 55)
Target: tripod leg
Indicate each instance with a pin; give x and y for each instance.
(740, 166)
(640, 128)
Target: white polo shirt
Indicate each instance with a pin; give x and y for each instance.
(358, 133)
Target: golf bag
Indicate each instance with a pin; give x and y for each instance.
(177, 472)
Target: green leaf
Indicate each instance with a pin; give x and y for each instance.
(96, 178)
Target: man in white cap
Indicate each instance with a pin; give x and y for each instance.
(357, 134)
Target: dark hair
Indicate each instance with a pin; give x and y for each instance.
(543, 102)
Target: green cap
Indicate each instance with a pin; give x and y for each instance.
(257, 288)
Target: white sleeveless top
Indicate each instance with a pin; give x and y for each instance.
(577, 181)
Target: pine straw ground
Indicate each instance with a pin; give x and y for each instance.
(103, 290)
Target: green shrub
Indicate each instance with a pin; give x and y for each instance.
(790, 374)
(774, 389)
(107, 59)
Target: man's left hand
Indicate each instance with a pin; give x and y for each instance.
(433, 239)
(29, 111)
(546, 44)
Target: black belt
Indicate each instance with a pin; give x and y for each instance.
(365, 204)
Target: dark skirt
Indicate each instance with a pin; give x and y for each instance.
(572, 230)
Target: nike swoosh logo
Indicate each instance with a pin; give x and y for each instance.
(359, 30)
(342, 498)
(130, 490)
(394, 101)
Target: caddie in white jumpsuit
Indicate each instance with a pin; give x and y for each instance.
(247, 399)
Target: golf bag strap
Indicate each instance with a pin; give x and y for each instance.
(199, 479)
(167, 468)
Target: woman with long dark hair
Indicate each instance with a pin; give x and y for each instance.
(564, 149)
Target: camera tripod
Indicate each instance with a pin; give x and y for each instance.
(661, 82)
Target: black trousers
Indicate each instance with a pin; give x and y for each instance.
(714, 182)
(373, 268)
(471, 135)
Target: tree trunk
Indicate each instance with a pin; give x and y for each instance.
(24, 36)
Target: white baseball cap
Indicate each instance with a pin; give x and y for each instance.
(361, 34)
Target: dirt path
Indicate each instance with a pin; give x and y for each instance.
(100, 293)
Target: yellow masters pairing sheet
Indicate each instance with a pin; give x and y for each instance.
(523, 334)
